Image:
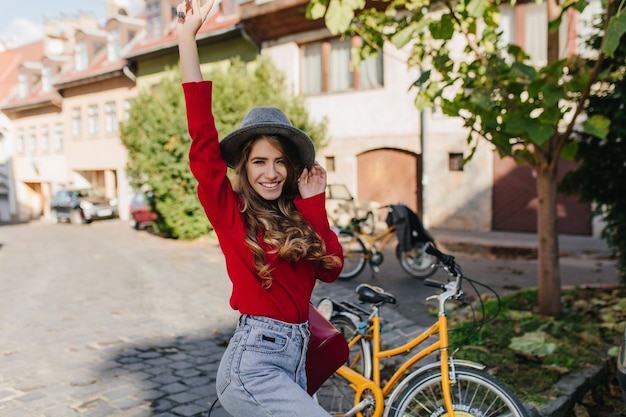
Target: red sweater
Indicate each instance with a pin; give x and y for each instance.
(288, 297)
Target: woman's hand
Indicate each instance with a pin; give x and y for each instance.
(191, 16)
(313, 181)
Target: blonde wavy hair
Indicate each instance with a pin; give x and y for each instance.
(284, 229)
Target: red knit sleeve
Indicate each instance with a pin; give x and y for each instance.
(205, 159)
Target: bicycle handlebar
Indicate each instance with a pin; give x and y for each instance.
(448, 261)
(436, 284)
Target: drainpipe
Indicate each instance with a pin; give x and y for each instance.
(128, 73)
(424, 176)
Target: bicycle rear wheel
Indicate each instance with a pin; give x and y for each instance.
(354, 254)
(416, 261)
(475, 394)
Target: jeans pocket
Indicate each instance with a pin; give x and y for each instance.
(224, 370)
(267, 341)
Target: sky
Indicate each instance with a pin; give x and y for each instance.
(24, 25)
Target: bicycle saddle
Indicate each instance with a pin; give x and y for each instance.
(370, 294)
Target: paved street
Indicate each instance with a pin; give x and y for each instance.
(103, 320)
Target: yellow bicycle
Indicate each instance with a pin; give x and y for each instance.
(361, 248)
(444, 387)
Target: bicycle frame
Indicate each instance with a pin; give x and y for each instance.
(383, 238)
(360, 384)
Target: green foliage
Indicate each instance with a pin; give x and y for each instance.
(497, 91)
(602, 170)
(530, 352)
(158, 143)
(528, 112)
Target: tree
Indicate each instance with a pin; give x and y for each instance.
(602, 161)
(156, 138)
(158, 143)
(525, 112)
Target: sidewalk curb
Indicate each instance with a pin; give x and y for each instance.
(571, 389)
(513, 245)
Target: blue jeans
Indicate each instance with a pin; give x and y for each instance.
(262, 372)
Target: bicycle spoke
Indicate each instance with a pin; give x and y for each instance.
(475, 394)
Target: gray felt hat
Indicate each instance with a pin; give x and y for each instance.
(266, 120)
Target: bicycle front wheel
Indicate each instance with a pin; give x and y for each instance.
(416, 261)
(475, 394)
(354, 254)
(336, 395)
(359, 357)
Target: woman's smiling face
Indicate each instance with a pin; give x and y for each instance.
(266, 169)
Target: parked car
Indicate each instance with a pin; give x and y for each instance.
(82, 206)
(341, 207)
(142, 210)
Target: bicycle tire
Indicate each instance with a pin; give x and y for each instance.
(354, 254)
(416, 262)
(475, 394)
(335, 395)
(359, 358)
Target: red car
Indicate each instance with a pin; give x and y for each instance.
(142, 211)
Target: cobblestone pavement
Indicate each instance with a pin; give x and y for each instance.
(102, 320)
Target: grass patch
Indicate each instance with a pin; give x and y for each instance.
(531, 353)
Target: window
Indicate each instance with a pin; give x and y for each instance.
(80, 56)
(127, 105)
(19, 141)
(46, 79)
(110, 117)
(44, 139)
(330, 164)
(22, 80)
(92, 120)
(339, 65)
(32, 140)
(536, 32)
(76, 123)
(58, 137)
(455, 162)
(326, 67)
(113, 45)
(153, 19)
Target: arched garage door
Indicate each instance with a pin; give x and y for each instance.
(390, 176)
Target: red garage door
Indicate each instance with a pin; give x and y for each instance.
(515, 201)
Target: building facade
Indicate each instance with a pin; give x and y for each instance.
(60, 116)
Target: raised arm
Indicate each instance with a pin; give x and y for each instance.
(191, 16)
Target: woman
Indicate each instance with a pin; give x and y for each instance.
(274, 234)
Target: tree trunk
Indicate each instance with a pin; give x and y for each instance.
(554, 11)
(549, 275)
